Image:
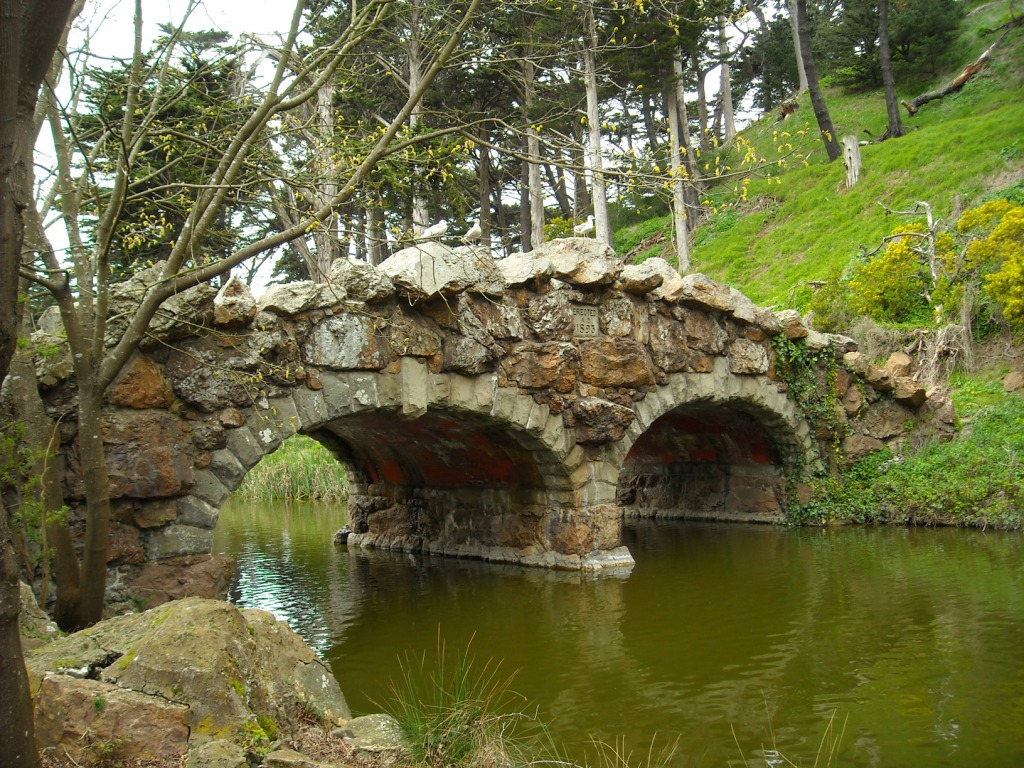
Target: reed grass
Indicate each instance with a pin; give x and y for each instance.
(301, 469)
(827, 755)
(457, 713)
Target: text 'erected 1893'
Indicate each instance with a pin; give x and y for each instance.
(585, 319)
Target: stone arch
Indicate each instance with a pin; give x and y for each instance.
(444, 463)
(712, 445)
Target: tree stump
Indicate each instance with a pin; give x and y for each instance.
(851, 159)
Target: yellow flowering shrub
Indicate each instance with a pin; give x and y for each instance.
(1003, 249)
(890, 287)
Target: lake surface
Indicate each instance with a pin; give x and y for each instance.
(739, 643)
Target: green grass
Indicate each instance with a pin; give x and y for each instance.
(300, 469)
(801, 223)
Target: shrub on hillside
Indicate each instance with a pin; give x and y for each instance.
(998, 244)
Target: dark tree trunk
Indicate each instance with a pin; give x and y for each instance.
(828, 133)
(29, 33)
(556, 180)
(97, 491)
(650, 126)
(892, 105)
(376, 246)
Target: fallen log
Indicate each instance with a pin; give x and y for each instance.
(961, 80)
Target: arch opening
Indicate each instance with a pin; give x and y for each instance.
(707, 462)
(454, 482)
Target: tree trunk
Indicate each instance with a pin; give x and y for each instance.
(650, 126)
(828, 133)
(533, 235)
(525, 219)
(728, 114)
(29, 33)
(377, 244)
(892, 105)
(420, 216)
(581, 200)
(689, 157)
(484, 199)
(797, 46)
(968, 72)
(556, 180)
(97, 491)
(679, 226)
(702, 109)
(17, 734)
(602, 222)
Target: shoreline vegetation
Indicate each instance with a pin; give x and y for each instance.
(300, 470)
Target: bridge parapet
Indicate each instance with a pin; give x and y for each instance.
(511, 410)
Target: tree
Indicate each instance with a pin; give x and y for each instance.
(84, 293)
(828, 133)
(894, 127)
(602, 225)
(30, 31)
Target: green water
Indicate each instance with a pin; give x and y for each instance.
(739, 642)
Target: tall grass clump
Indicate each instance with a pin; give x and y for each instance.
(827, 755)
(456, 713)
(301, 469)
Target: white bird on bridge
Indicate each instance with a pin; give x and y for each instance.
(434, 231)
(584, 229)
(474, 233)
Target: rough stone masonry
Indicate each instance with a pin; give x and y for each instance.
(513, 409)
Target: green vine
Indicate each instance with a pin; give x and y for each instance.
(813, 380)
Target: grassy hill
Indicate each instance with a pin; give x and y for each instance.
(800, 223)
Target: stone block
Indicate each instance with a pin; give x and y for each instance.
(246, 448)
(909, 392)
(415, 379)
(135, 726)
(209, 488)
(140, 384)
(310, 408)
(337, 392)
(175, 539)
(792, 324)
(193, 511)
(228, 469)
(747, 358)
(346, 342)
(289, 298)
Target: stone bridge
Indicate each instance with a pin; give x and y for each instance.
(512, 410)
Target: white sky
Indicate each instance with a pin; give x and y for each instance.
(111, 21)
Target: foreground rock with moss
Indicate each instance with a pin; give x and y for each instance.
(194, 682)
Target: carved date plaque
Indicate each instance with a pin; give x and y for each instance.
(585, 319)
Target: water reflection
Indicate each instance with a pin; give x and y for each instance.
(913, 637)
